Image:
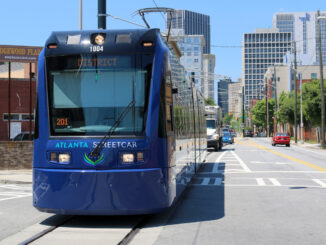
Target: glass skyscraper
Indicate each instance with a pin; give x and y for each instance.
(304, 29)
(223, 95)
(185, 22)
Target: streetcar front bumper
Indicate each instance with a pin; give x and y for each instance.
(101, 192)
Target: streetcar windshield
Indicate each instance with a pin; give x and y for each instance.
(87, 93)
(210, 124)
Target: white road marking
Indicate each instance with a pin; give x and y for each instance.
(265, 172)
(320, 182)
(260, 181)
(278, 163)
(216, 163)
(275, 182)
(243, 165)
(14, 191)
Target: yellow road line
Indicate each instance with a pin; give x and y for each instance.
(251, 143)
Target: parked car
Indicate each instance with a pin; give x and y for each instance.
(281, 139)
(23, 136)
(248, 133)
(234, 134)
(227, 138)
(262, 134)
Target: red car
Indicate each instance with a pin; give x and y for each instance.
(281, 139)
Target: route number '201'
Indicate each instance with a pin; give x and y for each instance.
(96, 49)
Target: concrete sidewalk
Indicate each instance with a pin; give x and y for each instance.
(307, 145)
(16, 176)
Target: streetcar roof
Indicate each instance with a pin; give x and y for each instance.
(115, 41)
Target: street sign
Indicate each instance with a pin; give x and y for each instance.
(242, 125)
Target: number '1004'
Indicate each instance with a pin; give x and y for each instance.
(96, 48)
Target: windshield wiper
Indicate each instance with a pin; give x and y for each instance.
(97, 150)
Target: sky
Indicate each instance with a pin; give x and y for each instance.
(30, 22)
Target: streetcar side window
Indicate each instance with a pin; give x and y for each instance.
(166, 115)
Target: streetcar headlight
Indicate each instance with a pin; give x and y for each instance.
(99, 39)
(53, 156)
(64, 158)
(127, 157)
(140, 156)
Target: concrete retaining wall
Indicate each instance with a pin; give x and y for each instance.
(16, 155)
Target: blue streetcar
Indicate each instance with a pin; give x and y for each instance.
(120, 129)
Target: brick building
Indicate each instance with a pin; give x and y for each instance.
(18, 69)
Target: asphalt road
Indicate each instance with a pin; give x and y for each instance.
(248, 193)
(16, 211)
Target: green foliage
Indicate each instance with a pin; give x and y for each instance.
(311, 105)
(286, 108)
(259, 113)
(227, 119)
(209, 101)
(312, 102)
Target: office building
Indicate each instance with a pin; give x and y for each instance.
(304, 29)
(208, 88)
(185, 22)
(261, 49)
(223, 95)
(235, 99)
(191, 47)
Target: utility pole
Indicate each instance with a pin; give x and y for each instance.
(295, 94)
(243, 115)
(276, 101)
(101, 18)
(80, 14)
(323, 145)
(301, 114)
(267, 116)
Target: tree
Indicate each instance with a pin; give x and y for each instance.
(259, 113)
(209, 101)
(227, 119)
(285, 113)
(312, 102)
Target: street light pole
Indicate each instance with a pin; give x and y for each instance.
(80, 14)
(323, 145)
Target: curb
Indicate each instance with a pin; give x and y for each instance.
(4, 181)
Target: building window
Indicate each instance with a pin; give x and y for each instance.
(313, 75)
(17, 117)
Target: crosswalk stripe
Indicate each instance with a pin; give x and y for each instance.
(275, 182)
(260, 181)
(320, 182)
